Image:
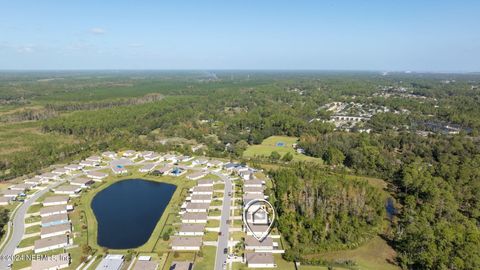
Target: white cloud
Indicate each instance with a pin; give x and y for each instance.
(97, 31)
(25, 49)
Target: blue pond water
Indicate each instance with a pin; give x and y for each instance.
(128, 211)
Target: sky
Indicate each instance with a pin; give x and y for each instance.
(426, 35)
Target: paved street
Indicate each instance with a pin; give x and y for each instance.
(19, 226)
(223, 239)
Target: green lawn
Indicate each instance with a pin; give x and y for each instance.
(270, 144)
(34, 208)
(32, 229)
(207, 261)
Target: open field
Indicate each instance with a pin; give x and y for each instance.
(280, 144)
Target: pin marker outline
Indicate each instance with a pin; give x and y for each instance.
(245, 210)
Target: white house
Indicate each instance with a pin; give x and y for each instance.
(202, 190)
(56, 200)
(197, 207)
(96, 176)
(196, 175)
(147, 168)
(49, 176)
(199, 161)
(109, 154)
(73, 167)
(119, 170)
(151, 157)
(50, 243)
(130, 154)
(89, 163)
(34, 181)
(12, 194)
(256, 183)
(201, 198)
(96, 159)
(22, 187)
(205, 183)
(67, 190)
(215, 163)
(60, 171)
(53, 262)
(252, 244)
(81, 182)
(186, 243)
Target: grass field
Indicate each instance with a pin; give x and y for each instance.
(271, 144)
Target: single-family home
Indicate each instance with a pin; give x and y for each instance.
(184, 158)
(215, 163)
(205, 183)
(196, 175)
(170, 158)
(246, 175)
(73, 167)
(252, 244)
(200, 161)
(256, 183)
(202, 190)
(198, 198)
(189, 229)
(69, 190)
(96, 159)
(197, 207)
(60, 171)
(96, 176)
(60, 229)
(50, 243)
(131, 154)
(192, 243)
(185, 265)
(53, 210)
(252, 196)
(111, 262)
(194, 217)
(34, 181)
(153, 156)
(5, 201)
(109, 154)
(177, 171)
(81, 182)
(55, 220)
(260, 260)
(56, 200)
(147, 168)
(143, 154)
(257, 229)
(89, 163)
(119, 170)
(53, 262)
(49, 176)
(12, 194)
(163, 170)
(22, 187)
(145, 264)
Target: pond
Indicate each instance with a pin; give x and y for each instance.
(128, 211)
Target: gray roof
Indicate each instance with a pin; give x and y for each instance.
(259, 258)
(145, 265)
(110, 263)
(180, 241)
(52, 209)
(56, 228)
(189, 216)
(202, 189)
(252, 241)
(53, 218)
(201, 197)
(253, 189)
(197, 205)
(51, 241)
(205, 182)
(67, 188)
(192, 228)
(81, 180)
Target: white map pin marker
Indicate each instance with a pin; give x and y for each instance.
(255, 209)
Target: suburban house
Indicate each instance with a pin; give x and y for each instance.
(171, 158)
(89, 163)
(181, 265)
(164, 170)
(253, 190)
(53, 210)
(69, 190)
(257, 183)
(56, 200)
(21, 187)
(153, 156)
(202, 190)
(5, 201)
(49, 176)
(198, 198)
(96, 176)
(246, 175)
(145, 263)
(252, 196)
(111, 262)
(119, 170)
(192, 229)
(60, 171)
(186, 243)
(81, 182)
(55, 220)
(205, 183)
(260, 260)
(184, 158)
(60, 229)
(12, 194)
(190, 217)
(199, 161)
(147, 168)
(196, 175)
(229, 167)
(50, 243)
(145, 153)
(197, 207)
(73, 167)
(34, 181)
(96, 159)
(109, 154)
(215, 163)
(257, 229)
(252, 244)
(130, 154)
(53, 262)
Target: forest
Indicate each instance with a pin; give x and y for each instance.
(434, 176)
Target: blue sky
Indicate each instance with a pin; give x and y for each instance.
(386, 35)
